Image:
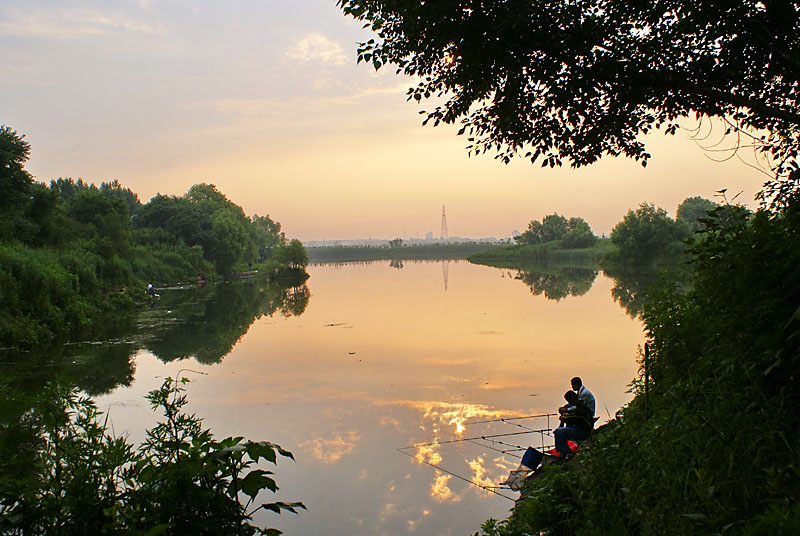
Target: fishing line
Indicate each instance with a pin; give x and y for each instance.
(489, 438)
(484, 437)
(490, 447)
(491, 489)
(506, 419)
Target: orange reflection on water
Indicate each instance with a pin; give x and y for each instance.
(333, 449)
(440, 491)
(479, 472)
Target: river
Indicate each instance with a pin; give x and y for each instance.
(366, 359)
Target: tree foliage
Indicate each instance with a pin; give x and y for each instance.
(15, 181)
(573, 233)
(291, 254)
(694, 209)
(70, 249)
(75, 477)
(573, 81)
(645, 233)
(205, 217)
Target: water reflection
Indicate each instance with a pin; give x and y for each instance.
(206, 326)
(557, 282)
(203, 323)
(632, 285)
(380, 360)
(631, 288)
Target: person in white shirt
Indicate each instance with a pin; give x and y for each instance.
(584, 394)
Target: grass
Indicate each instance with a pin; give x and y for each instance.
(414, 252)
(515, 256)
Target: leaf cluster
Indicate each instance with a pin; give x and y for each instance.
(76, 478)
(646, 232)
(574, 81)
(573, 233)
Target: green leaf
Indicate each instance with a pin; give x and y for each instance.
(695, 516)
(257, 480)
(261, 449)
(158, 529)
(278, 507)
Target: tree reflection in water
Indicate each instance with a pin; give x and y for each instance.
(202, 323)
(632, 287)
(208, 325)
(556, 282)
(631, 284)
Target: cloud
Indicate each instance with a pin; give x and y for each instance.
(289, 107)
(332, 450)
(70, 24)
(314, 47)
(440, 491)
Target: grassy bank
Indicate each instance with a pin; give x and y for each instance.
(514, 256)
(712, 446)
(413, 252)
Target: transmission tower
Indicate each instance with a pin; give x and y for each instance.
(444, 235)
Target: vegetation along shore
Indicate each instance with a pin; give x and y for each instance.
(70, 251)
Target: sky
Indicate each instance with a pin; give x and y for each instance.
(265, 100)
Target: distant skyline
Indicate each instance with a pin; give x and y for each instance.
(264, 99)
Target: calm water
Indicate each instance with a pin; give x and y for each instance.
(369, 358)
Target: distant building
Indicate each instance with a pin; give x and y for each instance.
(429, 235)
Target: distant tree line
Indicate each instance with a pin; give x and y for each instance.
(645, 235)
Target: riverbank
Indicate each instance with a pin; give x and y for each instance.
(515, 256)
(709, 444)
(413, 252)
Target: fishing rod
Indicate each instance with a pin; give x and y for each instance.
(484, 437)
(506, 419)
(491, 489)
(490, 447)
(490, 438)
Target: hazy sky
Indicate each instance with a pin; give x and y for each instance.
(264, 99)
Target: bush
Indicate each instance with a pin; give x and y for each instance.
(73, 477)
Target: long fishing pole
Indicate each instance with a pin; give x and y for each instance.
(491, 489)
(505, 419)
(490, 447)
(484, 437)
(491, 438)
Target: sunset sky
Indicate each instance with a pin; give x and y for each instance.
(264, 99)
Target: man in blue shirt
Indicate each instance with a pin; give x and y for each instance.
(584, 394)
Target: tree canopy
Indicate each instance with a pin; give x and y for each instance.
(646, 232)
(206, 218)
(576, 80)
(573, 232)
(694, 209)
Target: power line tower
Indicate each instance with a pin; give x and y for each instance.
(444, 235)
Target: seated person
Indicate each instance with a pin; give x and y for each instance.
(530, 461)
(577, 423)
(584, 394)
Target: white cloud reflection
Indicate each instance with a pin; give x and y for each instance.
(440, 490)
(333, 449)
